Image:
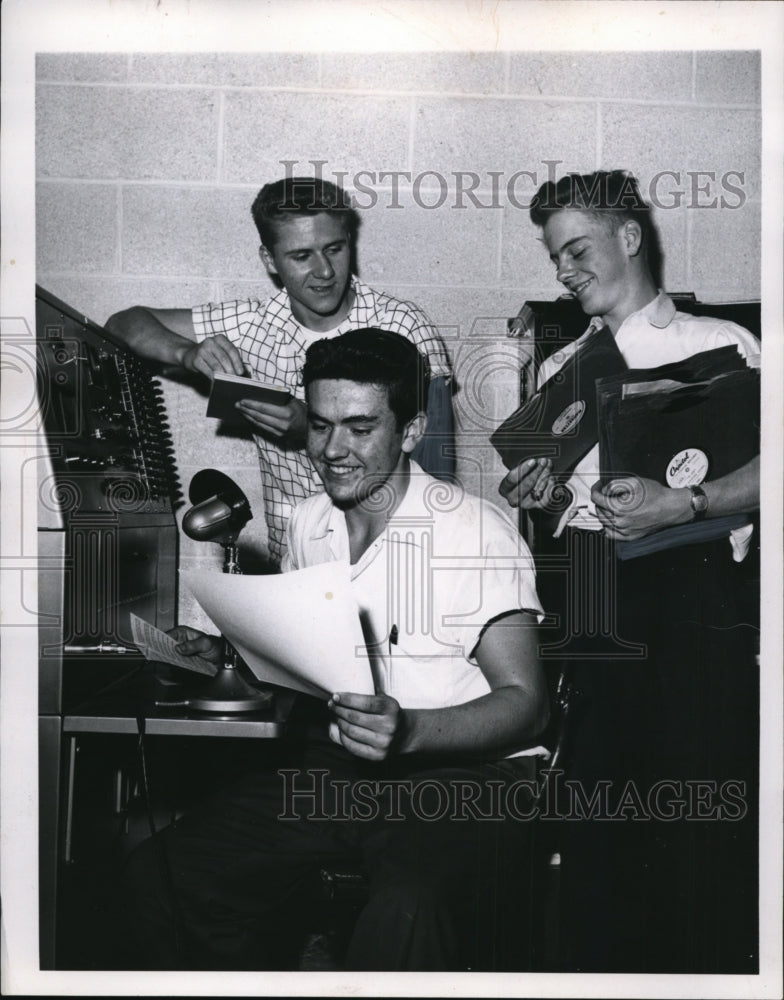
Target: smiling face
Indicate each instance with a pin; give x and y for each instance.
(312, 257)
(602, 267)
(354, 440)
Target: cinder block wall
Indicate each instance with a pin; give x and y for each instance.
(147, 165)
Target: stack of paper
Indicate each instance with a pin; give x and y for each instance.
(300, 630)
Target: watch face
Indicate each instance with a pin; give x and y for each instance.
(699, 502)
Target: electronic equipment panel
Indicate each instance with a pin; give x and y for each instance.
(107, 493)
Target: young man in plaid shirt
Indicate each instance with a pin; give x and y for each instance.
(307, 227)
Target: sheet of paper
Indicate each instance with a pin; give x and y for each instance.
(156, 645)
(300, 629)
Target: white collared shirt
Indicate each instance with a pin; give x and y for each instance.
(446, 564)
(655, 335)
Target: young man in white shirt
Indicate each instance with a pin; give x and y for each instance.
(655, 887)
(429, 781)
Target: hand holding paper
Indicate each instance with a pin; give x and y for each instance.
(158, 646)
(192, 642)
(300, 630)
(284, 421)
(367, 725)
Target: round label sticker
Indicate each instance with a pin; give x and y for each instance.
(566, 422)
(688, 468)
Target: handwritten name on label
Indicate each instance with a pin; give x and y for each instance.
(566, 422)
(688, 468)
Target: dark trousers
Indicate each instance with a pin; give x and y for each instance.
(660, 873)
(447, 874)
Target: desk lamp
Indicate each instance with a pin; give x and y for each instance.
(219, 513)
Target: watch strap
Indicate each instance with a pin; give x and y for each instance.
(699, 503)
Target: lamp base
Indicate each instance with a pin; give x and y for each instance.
(228, 692)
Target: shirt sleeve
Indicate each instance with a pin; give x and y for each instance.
(409, 320)
(504, 582)
(730, 333)
(232, 319)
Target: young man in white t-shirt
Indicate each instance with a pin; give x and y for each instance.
(429, 781)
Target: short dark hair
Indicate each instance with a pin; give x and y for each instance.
(613, 195)
(374, 357)
(298, 196)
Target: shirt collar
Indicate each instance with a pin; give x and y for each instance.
(279, 313)
(363, 307)
(413, 505)
(659, 312)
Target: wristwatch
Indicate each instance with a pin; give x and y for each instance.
(699, 503)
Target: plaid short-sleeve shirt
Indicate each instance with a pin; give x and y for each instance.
(273, 344)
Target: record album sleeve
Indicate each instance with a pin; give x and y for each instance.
(560, 420)
(658, 424)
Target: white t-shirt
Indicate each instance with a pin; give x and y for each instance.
(446, 565)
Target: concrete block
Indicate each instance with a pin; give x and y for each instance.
(261, 288)
(632, 75)
(443, 72)
(463, 313)
(235, 69)
(203, 439)
(186, 403)
(488, 373)
(130, 133)
(242, 466)
(727, 77)
(725, 254)
(349, 132)
(81, 67)
(415, 244)
(524, 257)
(671, 226)
(480, 471)
(189, 233)
(122, 293)
(192, 557)
(200, 556)
(478, 136)
(99, 297)
(76, 227)
(654, 139)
